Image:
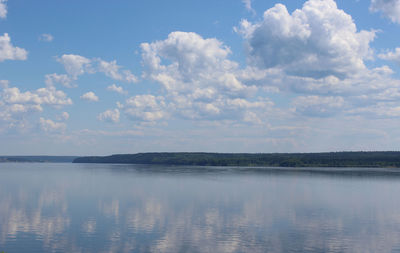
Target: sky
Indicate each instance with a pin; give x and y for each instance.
(105, 77)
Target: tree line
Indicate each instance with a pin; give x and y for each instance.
(329, 159)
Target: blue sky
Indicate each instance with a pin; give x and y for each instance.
(101, 77)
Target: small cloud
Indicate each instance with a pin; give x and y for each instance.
(389, 8)
(3, 9)
(112, 70)
(391, 56)
(63, 116)
(109, 116)
(8, 51)
(116, 88)
(46, 37)
(65, 80)
(247, 4)
(75, 65)
(48, 125)
(90, 96)
(4, 83)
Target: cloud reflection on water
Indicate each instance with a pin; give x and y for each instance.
(112, 208)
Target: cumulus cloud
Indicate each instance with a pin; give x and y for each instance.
(316, 41)
(391, 56)
(318, 53)
(9, 52)
(65, 80)
(42, 96)
(145, 108)
(109, 116)
(48, 125)
(112, 70)
(15, 105)
(76, 65)
(389, 8)
(90, 96)
(3, 9)
(116, 88)
(199, 79)
(46, 37)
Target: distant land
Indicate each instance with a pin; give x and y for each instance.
(329, 159)
(38, 159)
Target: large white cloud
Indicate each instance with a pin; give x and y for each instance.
(9, 52)
(3, 8)
(316, 41)
(389, 8)
(199, 80)
(316, 52)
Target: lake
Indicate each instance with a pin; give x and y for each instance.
(138, 208)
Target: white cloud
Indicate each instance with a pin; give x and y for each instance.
(124, 133)
(16, 106)
(48, 125)
(391, 56)
(9, 52)
(4, 83)
(46, 37)
(116, 88)
(318, 106)
(247, 4)
(318, 53)
(3, 9)
(316, 41)
(42, 96)
(199, 79)
(90, 96)
(112, 70)
(388, 110)
(145, 108)
(389, 8)
(65, 80)
(109, 116)
(64, 116)
(75, 65)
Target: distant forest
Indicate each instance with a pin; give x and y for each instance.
(37, 159)
(333, 159)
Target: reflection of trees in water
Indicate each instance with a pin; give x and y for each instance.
(136, 212)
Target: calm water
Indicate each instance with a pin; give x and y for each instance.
(132, 208)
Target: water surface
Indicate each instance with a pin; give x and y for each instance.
(137, 208)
